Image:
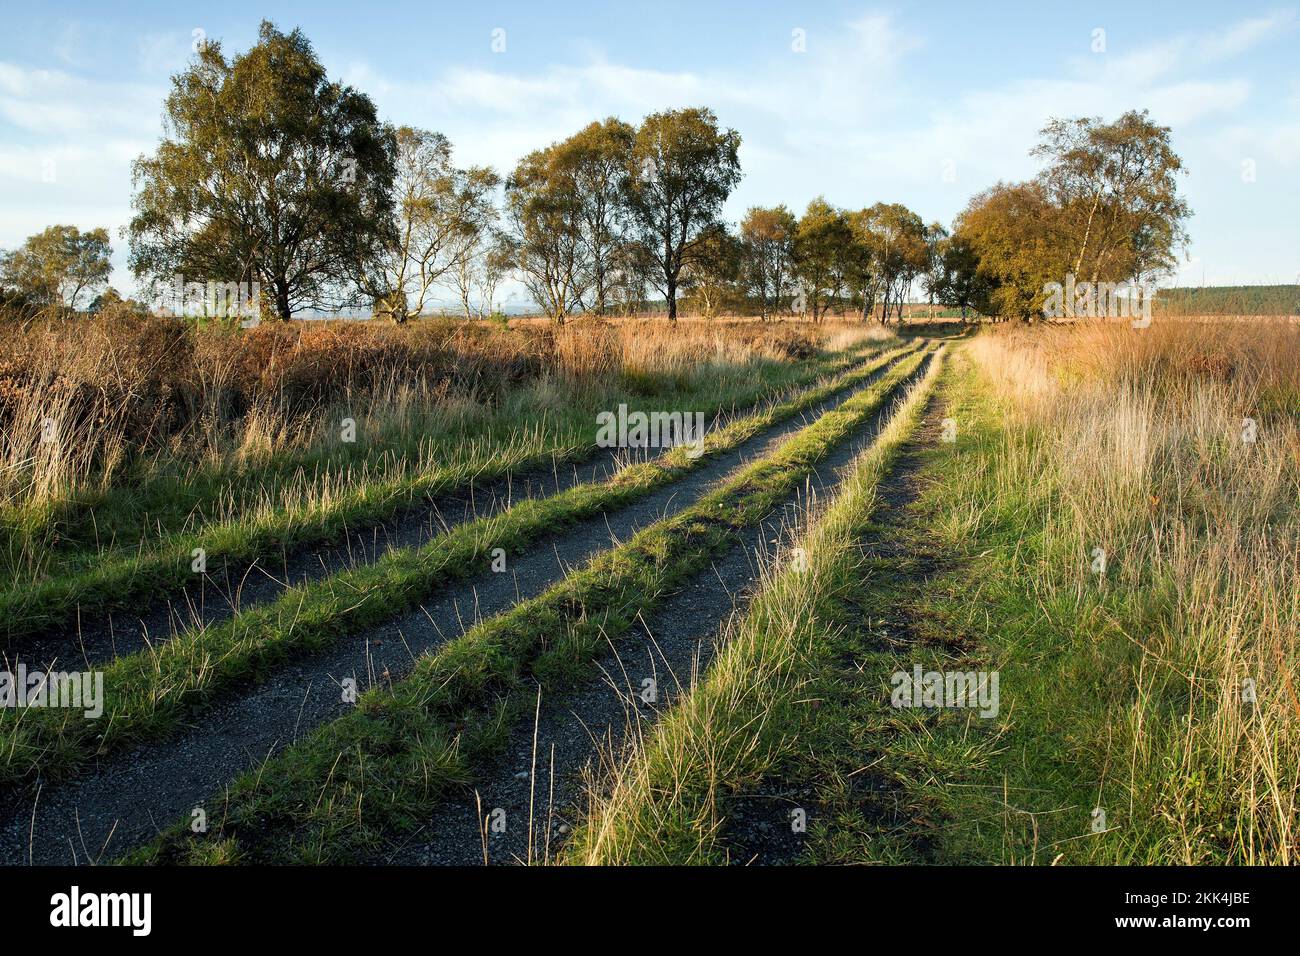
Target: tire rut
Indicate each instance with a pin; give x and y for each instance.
(235, 587)
(124, 799)
(755, 826)
(549, 762)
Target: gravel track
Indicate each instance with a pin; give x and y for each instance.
(563, 748)
(125, 799)
(216, 595)
(756, 826)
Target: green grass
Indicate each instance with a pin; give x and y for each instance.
(151, 692)
(764, 700)
(1111, 694)
(162, 521)
(1097, 711)
(886, 782)
(340, 793)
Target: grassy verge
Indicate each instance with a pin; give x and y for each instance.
(337, 795)
(755, 707)
(1148, 707)
(321, 508)
(149, 693)
(1147, 710)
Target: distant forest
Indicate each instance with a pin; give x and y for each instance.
(1230, 300)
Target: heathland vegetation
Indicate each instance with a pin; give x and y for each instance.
(364, 590)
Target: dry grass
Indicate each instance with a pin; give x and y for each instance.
(1164, 690)
(122, 385)
(1136, 443)
(123, 431)
(79, 397)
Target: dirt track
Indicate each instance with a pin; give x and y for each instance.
(126, 798)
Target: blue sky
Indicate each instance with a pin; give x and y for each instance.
(924, 104)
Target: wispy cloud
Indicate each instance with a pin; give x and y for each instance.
(1186, 53)
(847, 116)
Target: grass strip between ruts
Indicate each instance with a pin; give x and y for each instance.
(149, 693)
(337, 795)
(665, 805)
(110, 582)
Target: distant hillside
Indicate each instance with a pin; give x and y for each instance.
(1230, 300)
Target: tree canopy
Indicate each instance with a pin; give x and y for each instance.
(272, 176)
(60, 265)
(683, 168)
(440, 213)
(547, 216)
(767, 249)
(1105, 209)
(269, 173)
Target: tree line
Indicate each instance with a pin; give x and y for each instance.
(272, 175)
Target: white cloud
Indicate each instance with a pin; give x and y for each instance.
(845, 118)
(1184, 54)
(1243, 36)
(1184, 103)
(66, 152)
(59, 105)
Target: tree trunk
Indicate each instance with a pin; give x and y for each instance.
(282, 301)
(672, 300)
(1087, 231)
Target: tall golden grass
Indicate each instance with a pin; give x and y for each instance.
(80, 397)
(1145, 441)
